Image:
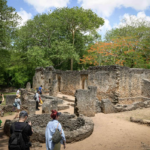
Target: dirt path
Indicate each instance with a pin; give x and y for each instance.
(111, 132)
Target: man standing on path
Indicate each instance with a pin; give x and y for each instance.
(40, 89)
(37, 100)
(25, 131)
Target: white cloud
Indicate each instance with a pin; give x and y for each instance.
(106, 7)
(24, 15)
(43, 5)
(133, 20)
(105, 28)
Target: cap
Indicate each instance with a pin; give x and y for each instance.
(58, 113)
(23, 114)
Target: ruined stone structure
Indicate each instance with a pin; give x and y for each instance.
(116, 83)
(28, 86)
(75, 128)
(85, 102)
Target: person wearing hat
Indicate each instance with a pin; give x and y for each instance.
(25, 127)
(18, 93)
(17, 105)
(50, 130)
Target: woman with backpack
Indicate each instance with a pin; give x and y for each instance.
(54, 133)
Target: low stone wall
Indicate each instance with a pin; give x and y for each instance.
(133, 106)
(10, 99)
(48, 98)
(107, 106)
(9, 108)
(75, 128)
(131, 100)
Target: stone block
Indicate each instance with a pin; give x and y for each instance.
(10, 99)
(53, 105)
(85, 102)
(46, 107)
(31, 107)
(24, 96)
(108, 107)
(98, 106)
(28, 86)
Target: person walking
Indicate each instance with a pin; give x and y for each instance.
(37, 100)
(40, 89)
(20, 131)
(17, 105)
(51, 128)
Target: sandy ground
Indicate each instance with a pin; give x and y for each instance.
(111, 132)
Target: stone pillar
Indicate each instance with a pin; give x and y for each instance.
(54, 88)
(24, 96)
(85, 102)
(28, 86)
(31, 107)
(54, 105)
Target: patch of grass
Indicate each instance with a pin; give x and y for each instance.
(11, 93)
(8, 114)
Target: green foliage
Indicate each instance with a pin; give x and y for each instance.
(139, 30)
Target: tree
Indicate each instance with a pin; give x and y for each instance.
(8, 23)
(77, 19)
(120, 51)
(140, 30)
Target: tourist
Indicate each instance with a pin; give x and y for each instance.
(17, 105)
(25, 128)
(40, 89)
(50, 130)
(18, 92)
(37, 100)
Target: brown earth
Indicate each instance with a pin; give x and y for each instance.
(111, 132)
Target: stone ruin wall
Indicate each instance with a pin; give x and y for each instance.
(133, 84)
(115, 83)
(67, 82)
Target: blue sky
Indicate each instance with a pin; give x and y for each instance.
(111, 10)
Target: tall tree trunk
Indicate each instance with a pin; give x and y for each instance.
(73, 46)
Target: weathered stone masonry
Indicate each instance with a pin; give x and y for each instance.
(119, 84)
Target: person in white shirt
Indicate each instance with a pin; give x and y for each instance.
(37, 100)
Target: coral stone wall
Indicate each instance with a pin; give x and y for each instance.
(131, 84)
(146, 88)
(115, 83)
(104, 78)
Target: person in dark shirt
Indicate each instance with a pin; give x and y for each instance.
(27, 130)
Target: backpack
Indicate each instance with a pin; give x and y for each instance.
(15, 104)
(34, 97)
(56, 138)
(16, 141)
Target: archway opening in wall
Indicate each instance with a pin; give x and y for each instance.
(59, 83)
(84, 81)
